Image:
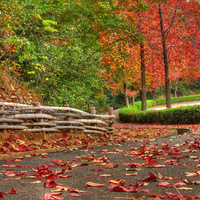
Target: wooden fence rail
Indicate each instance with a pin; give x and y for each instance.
(37, 118)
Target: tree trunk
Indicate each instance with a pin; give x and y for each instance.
(176, 87)
(143, 69)
(125, 96)
(133, 99)
(167, 86)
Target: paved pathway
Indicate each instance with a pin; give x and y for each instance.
(169, 167)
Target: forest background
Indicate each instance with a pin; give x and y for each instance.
(100, 53)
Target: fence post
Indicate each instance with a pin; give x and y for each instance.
(68, 118)
(37, 104)
(110, 111)
(2, 116)
(92, 110)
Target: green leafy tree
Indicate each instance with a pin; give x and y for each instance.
(56, 47)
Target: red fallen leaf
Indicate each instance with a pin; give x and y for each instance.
(179, 184)
(149, 160)
(78, 191)
(159, 166)
(48, 196)
(192, 173)
(92, 184)
(13, 191)
(6, 144)
(10, 159)
(50, 177)
(174, 152)
(152, 177)
(171, 162)
(166, 147)
(118, 151)
(65, 176)
(50, 184)
(163, 184)
(57, 193)
(64, 135)
(173, 196)
(22, 148)
(132, 165)
(135, 185)
(100, 169)
(178, 157)
(74, 195)
(44, 156)
(120, 188)
(1, 195)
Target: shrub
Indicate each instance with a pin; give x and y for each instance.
(180, 115)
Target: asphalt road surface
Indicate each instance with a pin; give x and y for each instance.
(168, 167)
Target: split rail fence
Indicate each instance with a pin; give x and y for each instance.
(37, 118)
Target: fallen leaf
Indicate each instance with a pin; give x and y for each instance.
(152, 177)
(185, 188)
(105, 175)
(163, 184)
(116, 181)
(99, 169)
(36, 182)
(159, 166)
(74, 195)
(131, 174)
(149, 160)
(133, 169)
(92, 184)
(13, 191)
(138, 198)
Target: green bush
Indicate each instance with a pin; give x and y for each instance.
(149, 103)
(180, 115)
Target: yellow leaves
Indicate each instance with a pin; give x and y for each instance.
(31, 72)
(39, 17)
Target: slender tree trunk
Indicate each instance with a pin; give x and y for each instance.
(176, 87)
(125, 96)
(143, 75)
(133, 99)
(167, 86)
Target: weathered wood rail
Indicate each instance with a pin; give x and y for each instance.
(37, 118)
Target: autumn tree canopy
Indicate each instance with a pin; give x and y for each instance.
(69, 50)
